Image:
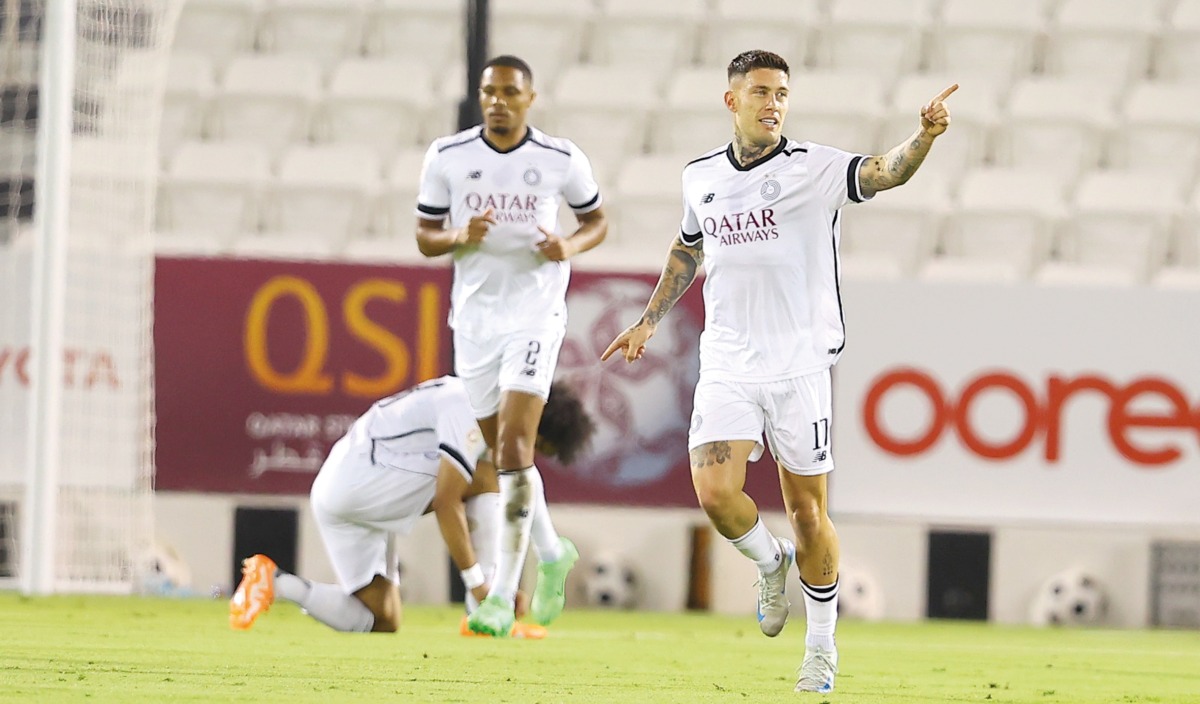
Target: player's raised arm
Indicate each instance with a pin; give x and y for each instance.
(880, 173)
(683, 263)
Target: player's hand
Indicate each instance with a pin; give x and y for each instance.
(477, 228)
(555, 248)
(935, 117)
(632, 342)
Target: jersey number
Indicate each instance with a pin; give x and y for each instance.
(820, 433)
(531, 354)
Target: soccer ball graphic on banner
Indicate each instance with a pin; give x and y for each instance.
(1069, 598)
(610, 582)
(860, 595)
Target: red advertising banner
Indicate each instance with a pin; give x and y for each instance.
(261, 365)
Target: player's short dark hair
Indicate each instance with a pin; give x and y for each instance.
(565, 423)
(513, 62)
(747, 61)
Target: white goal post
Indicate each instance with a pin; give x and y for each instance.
(82, 86)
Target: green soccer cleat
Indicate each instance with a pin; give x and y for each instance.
(494, 617)
(550, 594)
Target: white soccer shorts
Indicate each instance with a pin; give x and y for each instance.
(356, 504)
(520, 361)
(794, 413)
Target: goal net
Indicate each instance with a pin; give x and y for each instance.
(76, 404)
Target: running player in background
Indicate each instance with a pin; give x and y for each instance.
(415, 452)
(490, 197)
(761, 214)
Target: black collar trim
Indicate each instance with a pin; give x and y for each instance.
(779, 148)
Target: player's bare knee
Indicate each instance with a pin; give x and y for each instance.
(386, 623)
(715, 497)
(807, 519)
(514, 452)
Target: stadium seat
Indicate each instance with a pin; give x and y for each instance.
(549, 36)
(883, 38)
(1159, 130)
(324, 191)
(899, 225)
(994, 39)
(648, 195)
(1054, 124)
(583, 110)
(1183, 269)
(416, 30)
(975, 110)
(397, 211)
(841, 109)
(377, 103)
(1121, 220)
(1179, 47)
(323, 30)
(268, 99)
(190, 85)
(1110, 38)
(693, 118)
(785, 27)
(948, 268)
(284, 245)
(646, 34)
(1005, 219)
(220, 29)
(212, 190)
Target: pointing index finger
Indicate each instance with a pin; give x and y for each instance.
(946, 93)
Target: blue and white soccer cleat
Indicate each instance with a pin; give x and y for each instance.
(818, 670)
(773, 606)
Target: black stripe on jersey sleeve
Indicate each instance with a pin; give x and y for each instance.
(432, 209)
(852, 185)
(457, 457)
(588, 204)
(837, 277)
(551, 147)
(691, 239)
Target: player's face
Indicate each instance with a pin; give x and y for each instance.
(504, 97)
(759, 102)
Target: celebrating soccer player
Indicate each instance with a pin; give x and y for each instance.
(490, 196)
(761, 214)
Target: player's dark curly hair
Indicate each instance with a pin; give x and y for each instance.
(513, 62)
(565, 424)
(747, 61)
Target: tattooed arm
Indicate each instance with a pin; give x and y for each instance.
(683, 263)
(879, 173)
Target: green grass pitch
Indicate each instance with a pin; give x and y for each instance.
(112, 649)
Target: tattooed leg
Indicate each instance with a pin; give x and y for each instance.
(718, 475)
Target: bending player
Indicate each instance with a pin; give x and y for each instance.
(409, 454)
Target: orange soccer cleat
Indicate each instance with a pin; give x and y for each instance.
(255, 593)
(528, 631)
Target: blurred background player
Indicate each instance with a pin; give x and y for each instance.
(764, 209)
(415, 452)
(490, 195)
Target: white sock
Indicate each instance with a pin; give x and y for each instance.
(759, 545)
(820, 609)
(325, 602)
(516, 498)
(483, 520)
(545, 538)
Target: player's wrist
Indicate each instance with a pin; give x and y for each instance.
(472, 577)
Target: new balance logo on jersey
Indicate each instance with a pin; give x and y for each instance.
(529, 371)
(820, 456)
(475, 175)
(708, 198)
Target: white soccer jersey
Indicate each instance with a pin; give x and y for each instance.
(414, 429)
(505, 285)
(770, 233)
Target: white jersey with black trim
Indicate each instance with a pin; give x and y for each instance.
(413, 430)
(770, 234)
(505, 285)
